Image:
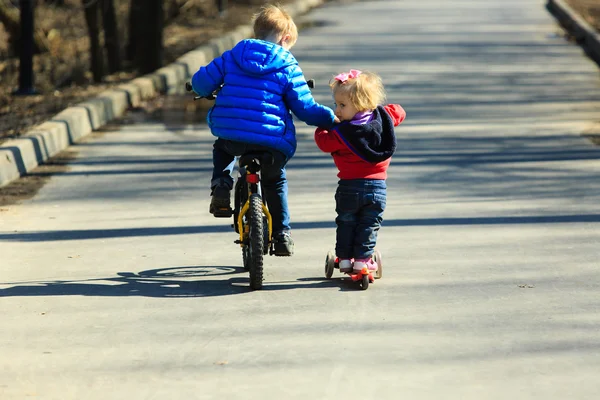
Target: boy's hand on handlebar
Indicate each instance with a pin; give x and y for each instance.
(189, 88)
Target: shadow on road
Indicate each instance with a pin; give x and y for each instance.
(90, 234)
(175, 282)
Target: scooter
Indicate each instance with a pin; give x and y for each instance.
(363, 277)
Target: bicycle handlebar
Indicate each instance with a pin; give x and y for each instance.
(188, 87)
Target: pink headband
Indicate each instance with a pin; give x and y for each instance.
(343, 77)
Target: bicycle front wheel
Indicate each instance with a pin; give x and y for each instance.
(256, 245)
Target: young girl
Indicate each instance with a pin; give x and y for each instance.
(362, 146)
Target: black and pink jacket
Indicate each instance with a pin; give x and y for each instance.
(363, 151)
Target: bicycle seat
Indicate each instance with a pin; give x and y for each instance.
(260, 158)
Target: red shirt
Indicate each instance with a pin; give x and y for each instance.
(349, 164)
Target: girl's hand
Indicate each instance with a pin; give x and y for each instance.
(336, 120)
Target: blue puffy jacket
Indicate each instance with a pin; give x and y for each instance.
(262, 83)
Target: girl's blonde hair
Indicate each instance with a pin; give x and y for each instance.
(365, 91)
(273, 22)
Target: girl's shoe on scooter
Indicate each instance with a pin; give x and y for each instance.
(345, 265)
(359, 264)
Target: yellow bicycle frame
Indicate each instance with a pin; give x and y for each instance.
(243, 212)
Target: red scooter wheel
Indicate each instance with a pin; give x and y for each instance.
(364, 282)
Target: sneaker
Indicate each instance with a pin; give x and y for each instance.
(220, 205)
(345, 265)
(283, 244)
(359, 264)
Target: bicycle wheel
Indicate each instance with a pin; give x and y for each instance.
(256, 245)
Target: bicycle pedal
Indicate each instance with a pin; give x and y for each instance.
(222, 213)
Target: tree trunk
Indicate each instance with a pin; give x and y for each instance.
(149, 37)
(26, 48)
(135, 12)
(171, 10)
(222, 7)
(111, 36)
(9, 16)
(92, 18)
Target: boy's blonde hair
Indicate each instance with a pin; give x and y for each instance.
(273, 22)
(365, 91)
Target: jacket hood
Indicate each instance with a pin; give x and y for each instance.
(374, 141)
(259, 57)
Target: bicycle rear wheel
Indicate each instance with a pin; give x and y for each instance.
(256, 245)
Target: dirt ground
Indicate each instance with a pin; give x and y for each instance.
(589, 10)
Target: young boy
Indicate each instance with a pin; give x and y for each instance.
(261, 83)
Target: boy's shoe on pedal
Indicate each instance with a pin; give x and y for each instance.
(283, 244)
(219, 204)
(345, 265)
(359, 264)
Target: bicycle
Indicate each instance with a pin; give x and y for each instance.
(363, 277)
(251, 217)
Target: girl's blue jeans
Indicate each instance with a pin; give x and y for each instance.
(359, 204)
(273, 178)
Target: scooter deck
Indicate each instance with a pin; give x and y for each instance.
(357, 276)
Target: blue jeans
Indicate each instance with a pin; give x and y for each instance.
(273, 179)
(359, 204)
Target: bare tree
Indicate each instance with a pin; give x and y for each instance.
(151, 44)
(135, 11)
(59, 3)
(92, 13)
(111, 36)
(146, 24)
(9, 17)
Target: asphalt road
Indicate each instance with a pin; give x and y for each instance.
(116, 283)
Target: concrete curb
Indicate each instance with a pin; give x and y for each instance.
(20, 156)
(585, 35)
